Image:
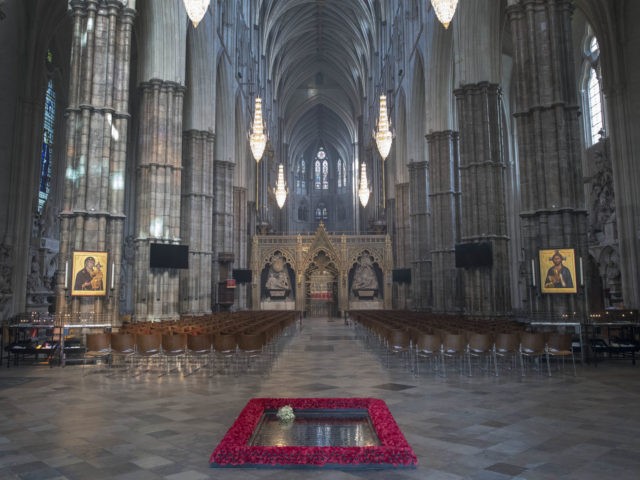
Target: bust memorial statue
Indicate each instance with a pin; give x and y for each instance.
(277, 283)
(365, 281)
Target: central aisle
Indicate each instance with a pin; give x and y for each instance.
(325, 359)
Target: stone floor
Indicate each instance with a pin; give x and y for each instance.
(56, 423)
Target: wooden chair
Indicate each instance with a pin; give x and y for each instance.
(251, 350)
(123, 347)
(533, 352)
(97, 348)
(174, 350)
(560, 346)
(148, 351)
(453, 349)
(480, 349)
(506, 351)
(225, 349)
(428, 347)
(199, 352)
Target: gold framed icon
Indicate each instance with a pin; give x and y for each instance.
(89, 274)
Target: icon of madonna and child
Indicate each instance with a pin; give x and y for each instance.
(89, 272)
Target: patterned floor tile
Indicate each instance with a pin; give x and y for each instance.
(59, 423)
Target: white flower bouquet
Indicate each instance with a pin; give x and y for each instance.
(285, 414)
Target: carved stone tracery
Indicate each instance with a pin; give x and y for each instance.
(322, 253)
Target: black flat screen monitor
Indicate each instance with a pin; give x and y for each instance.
(242, 275)
(474, 255)
(162, 255)
(401, 275)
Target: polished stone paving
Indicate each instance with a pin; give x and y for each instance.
(56, 423)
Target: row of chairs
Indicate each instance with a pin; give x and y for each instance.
(425, 321)
(221, 352)
(468, 351)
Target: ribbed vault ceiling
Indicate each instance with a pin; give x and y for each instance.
(318, 55)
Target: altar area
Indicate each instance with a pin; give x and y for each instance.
(321, 274)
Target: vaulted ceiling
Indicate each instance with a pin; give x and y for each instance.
(318, 58)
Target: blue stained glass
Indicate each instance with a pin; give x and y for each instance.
(317, 175)
(47, 147)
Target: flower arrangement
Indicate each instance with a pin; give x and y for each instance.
(234, 449)
(285, 414)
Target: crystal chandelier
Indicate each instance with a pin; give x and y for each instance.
(445, 9)
(383, 135)
(363, 189)
(281, 187)
(257, 137)
(196, 10)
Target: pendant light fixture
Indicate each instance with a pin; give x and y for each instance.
(257, 137)
(196, 10)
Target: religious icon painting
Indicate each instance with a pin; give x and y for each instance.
(558, 270)
(89, 274)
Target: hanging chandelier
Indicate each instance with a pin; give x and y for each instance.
(363, 189)
(196, 10)
(383, 135)
(257, 137)
(445, 9)
(281, 187)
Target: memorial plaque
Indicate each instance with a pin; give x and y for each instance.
(317, 428)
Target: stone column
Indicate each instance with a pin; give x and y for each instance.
(240, 239)
(546, 116)
(420, 241)
(196, 219)
(402, 245)
(444, 198)
(222, 221)
(158, 196)
(96, 145)
(482, 201)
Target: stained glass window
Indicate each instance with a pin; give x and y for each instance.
(321, 171)
(325, 175)
(47, 145)
(301, 180)
(342, 174)
(317, 175)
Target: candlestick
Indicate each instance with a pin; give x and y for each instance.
(533, 272)
(113, 275)
(66, 274)
(581, 274)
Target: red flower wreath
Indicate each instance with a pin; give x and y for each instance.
(234, 449)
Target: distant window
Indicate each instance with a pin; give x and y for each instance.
(317, 175)
(303, 213)
(321, 211)
(301, 180)
(325, 175)
(46, 154)
(592, 86)
(342, 173)
(321, 171)
(595, 105)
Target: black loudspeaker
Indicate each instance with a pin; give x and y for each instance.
(474, 255)
(401, 275)
(242, 275)
(163, 255)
